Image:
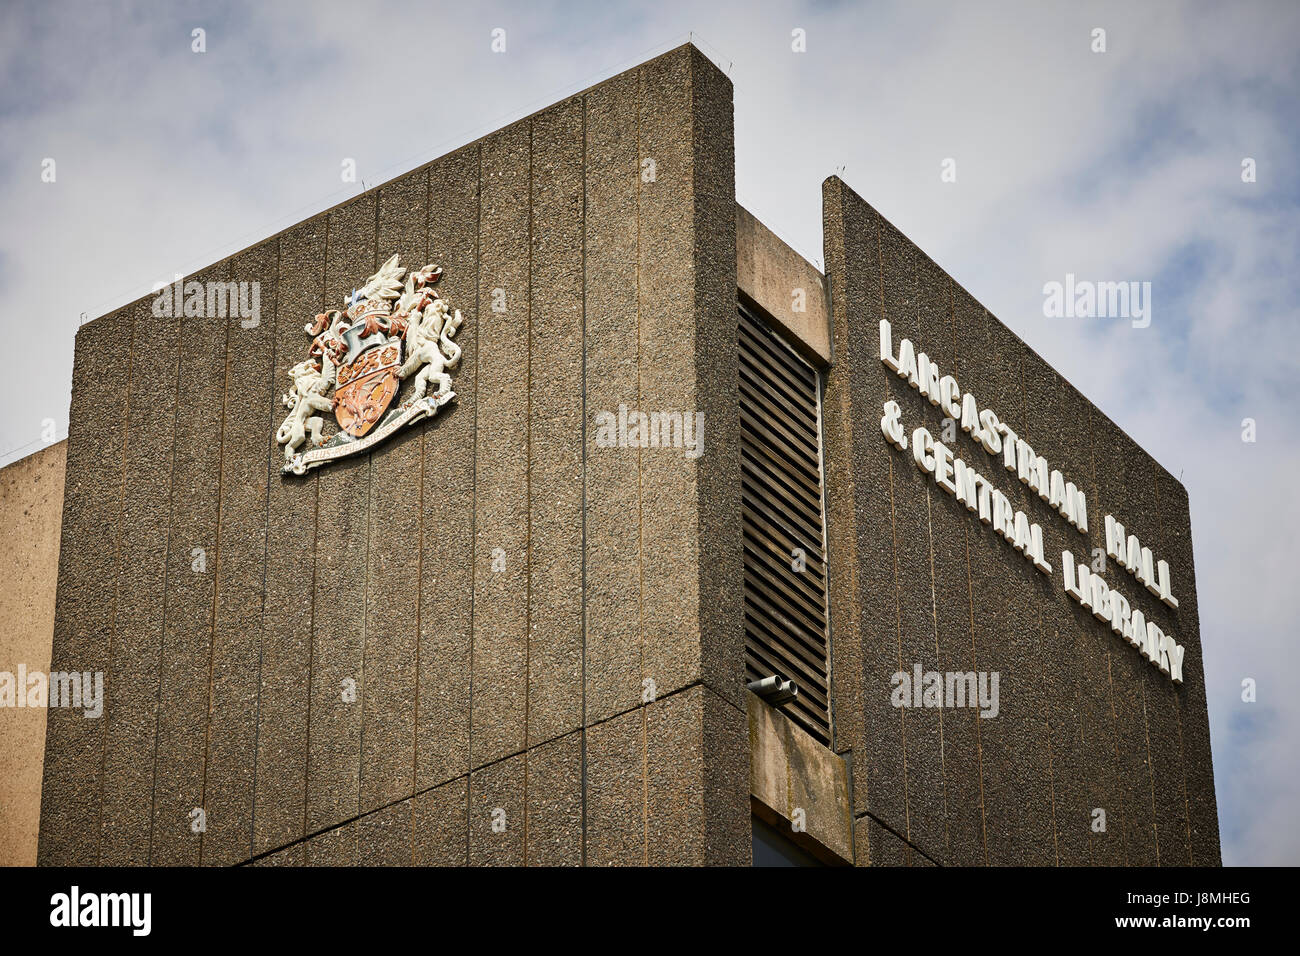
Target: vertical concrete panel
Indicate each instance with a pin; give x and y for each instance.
(1051, 430)
(1171, 804)
(728, 823)
(336, 847)
(384, 836)
(697, 781)
(1100, 749)
(615, 792)
(1159, 693)
(948, 522)
(1139, 512)
(675, 807)
(859, 474)
(241, 565)
(963, 755)
(1198, 768)
(987, 556)
(447, 509)
(440, 818)
(850, 231)
(1126, 679)
(556, 425)
(88, 556)
(501, 556)
(193, 560)
(1111, 846)
(131, 694)
(689, 500)
(280, 787)
(841, 516)
(914, 593)
(1022, 790)
(393, 562)
(31, 512)
(612, 548)
(1091, 646)
(497, 820)
(342, 535)
(554, 803)
(717, 359)
(671, 637)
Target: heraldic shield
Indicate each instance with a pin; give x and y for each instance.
(381, 363)
(368, 383)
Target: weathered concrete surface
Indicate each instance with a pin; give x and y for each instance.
(791, 774)
(1084, 724)
(785, 285)
(504, 593)
(545, 632)
(31, 511)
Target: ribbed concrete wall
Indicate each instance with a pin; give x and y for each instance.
(1085, 723)
(521, 689)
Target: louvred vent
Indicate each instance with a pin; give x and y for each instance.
(781, 491)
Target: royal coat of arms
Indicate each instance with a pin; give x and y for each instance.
(391, 336)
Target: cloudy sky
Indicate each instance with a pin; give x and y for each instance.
(1119, 165)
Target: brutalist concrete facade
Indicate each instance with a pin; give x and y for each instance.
(1085, 723)
(580, 706)
(546, 636)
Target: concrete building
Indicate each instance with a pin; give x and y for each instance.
(522, 630)
(31, 507)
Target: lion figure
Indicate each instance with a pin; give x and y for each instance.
(311, 380)
(430, 349)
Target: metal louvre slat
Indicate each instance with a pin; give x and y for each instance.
(763, 619)
(799, 668)
(770, 470)
(781, 492)
(770, 542)
(795, 525)
(767, 394)
(783, 388)
(769, 432)
(753, 382)
(804, 621)
(784, 579)
(770, 380)
(757, 378)
(795, 368)
(768, 421)
(808, 714)
(793, 612)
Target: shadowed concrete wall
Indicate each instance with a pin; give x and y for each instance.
(1084, 721)
(522, 690)
(785, 286)
(31, 507)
